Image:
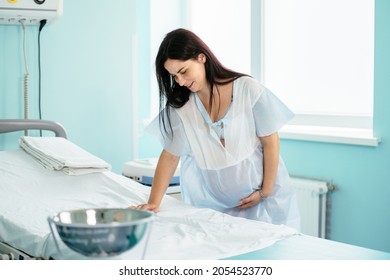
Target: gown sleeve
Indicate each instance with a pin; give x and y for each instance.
(175, 143)
(270, 114)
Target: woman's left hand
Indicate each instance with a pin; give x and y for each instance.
(250, 200)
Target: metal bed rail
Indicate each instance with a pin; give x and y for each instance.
(11, 125)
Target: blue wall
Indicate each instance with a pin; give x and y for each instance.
(87, 86)
(86, 74)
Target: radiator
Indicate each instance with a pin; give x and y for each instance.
(312, 204)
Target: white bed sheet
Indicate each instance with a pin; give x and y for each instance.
(29, 193)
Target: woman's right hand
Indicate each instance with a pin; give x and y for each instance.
(148, 206)
(165, 169)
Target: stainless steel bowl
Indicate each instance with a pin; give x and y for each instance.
(101, 232)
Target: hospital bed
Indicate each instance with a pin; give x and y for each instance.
(30, 193)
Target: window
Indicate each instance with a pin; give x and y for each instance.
(225, 26)
(318, 57)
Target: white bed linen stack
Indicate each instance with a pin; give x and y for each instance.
(57, 153)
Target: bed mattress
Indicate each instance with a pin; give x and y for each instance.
(29, 194)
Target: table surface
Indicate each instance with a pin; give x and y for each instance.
(304, 247)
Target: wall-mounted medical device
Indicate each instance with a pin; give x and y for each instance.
(32, 11)
(142, 170)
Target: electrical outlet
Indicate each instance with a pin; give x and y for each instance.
(31, 11)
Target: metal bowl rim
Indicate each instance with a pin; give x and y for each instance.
(111, 224)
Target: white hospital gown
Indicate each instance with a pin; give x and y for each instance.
(217, 176)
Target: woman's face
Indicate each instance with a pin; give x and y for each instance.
(189, 73)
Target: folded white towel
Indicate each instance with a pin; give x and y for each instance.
(57, 153)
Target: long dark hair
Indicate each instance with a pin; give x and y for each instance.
(182, 44)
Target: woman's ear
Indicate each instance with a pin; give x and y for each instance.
(202, 58)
